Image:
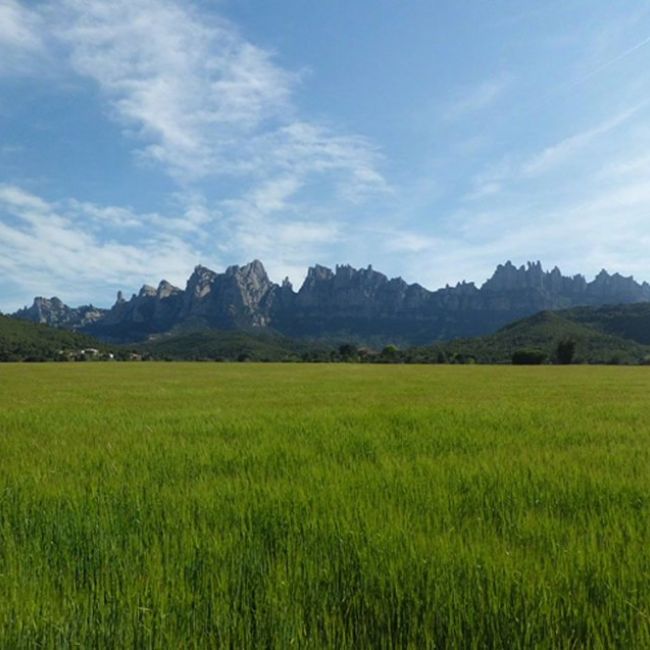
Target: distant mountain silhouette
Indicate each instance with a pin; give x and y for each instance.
(344, 303)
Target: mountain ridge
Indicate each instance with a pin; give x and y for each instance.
(345, 302)
(607, 335)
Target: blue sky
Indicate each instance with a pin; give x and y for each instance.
(432, 140)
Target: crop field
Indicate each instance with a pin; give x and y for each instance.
(170, 505)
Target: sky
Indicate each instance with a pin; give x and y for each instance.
(432, 140)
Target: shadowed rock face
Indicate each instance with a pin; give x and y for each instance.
(342, 303)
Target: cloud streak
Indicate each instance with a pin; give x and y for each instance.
(477, 98)
(555, 155)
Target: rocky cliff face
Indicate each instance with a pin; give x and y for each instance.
(341, 303)
(234, 299)
(53, 311)
(150, 311)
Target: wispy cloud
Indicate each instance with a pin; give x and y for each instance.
(477, 98)
(564, 150)
(513, 169)
(46, 248)
(581, 223)
(607, 230)
(269, 222)
(197, 98)
(308, 148)
(20, 36)
(190, 87)
(610, 62)
(201, 103)
(402, 241)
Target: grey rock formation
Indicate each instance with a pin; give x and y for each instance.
(52, 311)
(360, 304)
(234, 299)
(150, 311)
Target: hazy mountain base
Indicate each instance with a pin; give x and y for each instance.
(541, 332)
(615, 334)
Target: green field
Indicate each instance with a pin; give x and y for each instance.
(275, 506)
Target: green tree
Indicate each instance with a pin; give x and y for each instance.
(348, 351)
(390, 353)
(565, 351)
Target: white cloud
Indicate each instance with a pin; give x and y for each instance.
(411, 242)
(630, 166)
(266, 223)
(16, 198)
(306, 148)
(19, 29)
(197, 97)
(191, 87)
(47, 248)
(272, 196)
(203, 104)
(77, 249)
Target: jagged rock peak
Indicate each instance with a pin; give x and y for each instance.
(200, 280)
(318, 272)
(347, 271)
(202, 271)
(146, 290)
(507, 276)
(254, 269)
(48, 302)
(166, 289)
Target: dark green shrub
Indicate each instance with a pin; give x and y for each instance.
(348, 352)
(529, 357)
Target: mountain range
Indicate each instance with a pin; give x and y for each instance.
(344, 303)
